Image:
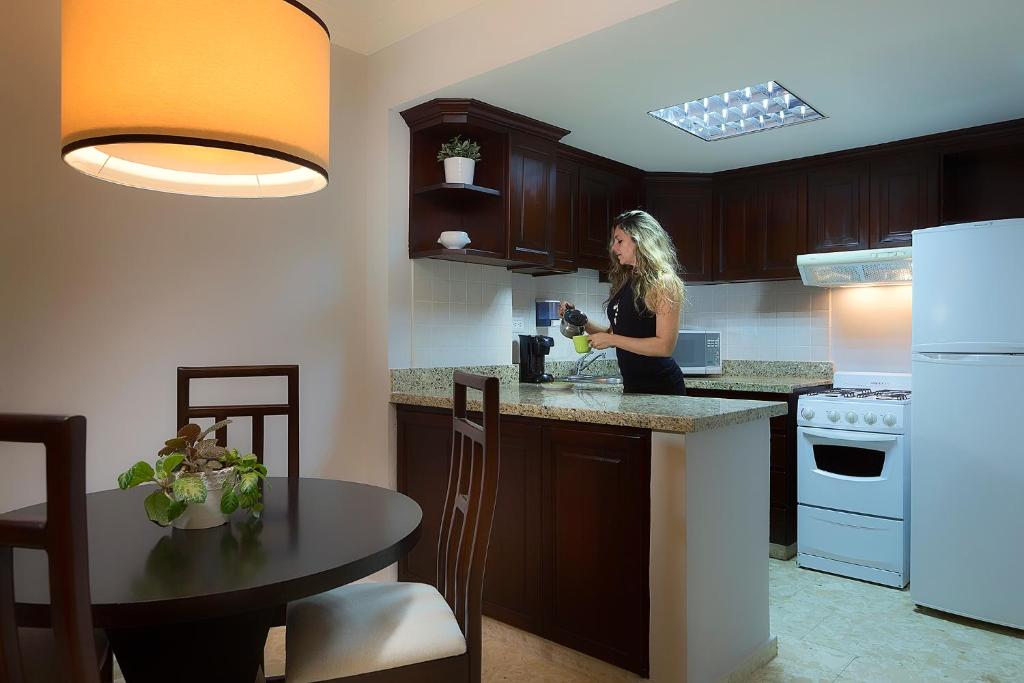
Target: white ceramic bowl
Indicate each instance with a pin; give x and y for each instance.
(453, 239)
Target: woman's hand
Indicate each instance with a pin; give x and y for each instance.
(563, 307)
(602, 340)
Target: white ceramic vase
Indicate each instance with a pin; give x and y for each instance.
(459, 170)
(207, 515)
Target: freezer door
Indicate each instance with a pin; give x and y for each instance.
(967, 492)
(964, 277)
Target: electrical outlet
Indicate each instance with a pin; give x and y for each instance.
(518, 324)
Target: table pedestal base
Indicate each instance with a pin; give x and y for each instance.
(228, 650)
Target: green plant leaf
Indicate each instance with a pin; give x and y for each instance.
(172, 461)
(177, 507)
(139, 473)
(165, 466)
(158, 507)
(249, 483)
(229, 502)
(262, 469)
(190, 489)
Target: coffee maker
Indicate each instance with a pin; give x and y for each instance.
(532, 349)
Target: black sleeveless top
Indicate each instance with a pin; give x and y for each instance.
(641, 374)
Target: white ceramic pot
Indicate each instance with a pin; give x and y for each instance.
(207, 515)
(454, 239)
(459, 170)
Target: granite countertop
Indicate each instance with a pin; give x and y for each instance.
(680, 414)
(771, 385)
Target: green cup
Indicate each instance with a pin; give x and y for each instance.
(582, 343)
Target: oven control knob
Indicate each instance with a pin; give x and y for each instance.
(851, 417)
(833, 415)
(807, 413)
(889, 420)
(870, 418)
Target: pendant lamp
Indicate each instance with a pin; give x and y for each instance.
(222, 98)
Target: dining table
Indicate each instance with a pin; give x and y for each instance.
(197, 604)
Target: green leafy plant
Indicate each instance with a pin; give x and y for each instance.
(459, 148)
(183, 472)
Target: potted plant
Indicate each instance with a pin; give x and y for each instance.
(199, 483)
(459, 157)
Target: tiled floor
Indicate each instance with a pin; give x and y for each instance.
(837, 629)
(829, 629)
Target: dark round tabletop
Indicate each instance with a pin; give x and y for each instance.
(314, 535)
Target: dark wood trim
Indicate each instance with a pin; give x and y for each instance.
(447, 110)
(128, 138)
(591, 159)
(952, 140)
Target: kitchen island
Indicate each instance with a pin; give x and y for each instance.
(629, 527)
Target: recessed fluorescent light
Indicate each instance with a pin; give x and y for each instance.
(738, 112)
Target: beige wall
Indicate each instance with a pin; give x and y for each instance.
(105, 290)
(871, 328)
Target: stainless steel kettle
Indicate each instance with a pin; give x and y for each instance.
(574, 322)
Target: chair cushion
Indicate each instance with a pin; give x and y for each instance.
(367, 627)
(39, 653)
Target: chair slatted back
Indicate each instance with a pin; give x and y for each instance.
(64, 536)
(258, 412)
(469, 509)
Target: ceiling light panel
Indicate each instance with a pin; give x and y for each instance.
(737, 112)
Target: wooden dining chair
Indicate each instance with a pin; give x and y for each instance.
(258, 412)
(69, 651)
(413, 632)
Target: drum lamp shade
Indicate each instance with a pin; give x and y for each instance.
(222, 98)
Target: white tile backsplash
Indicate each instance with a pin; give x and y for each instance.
(463, 314)
(763, 320)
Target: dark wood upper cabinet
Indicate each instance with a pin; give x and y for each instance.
(567, 214)
(983, 182)
(683, 206)
(904, 197)
(735, 246)
(531, 199)
(510, 220)
(597, 192)
(781, 224)
(838, 207)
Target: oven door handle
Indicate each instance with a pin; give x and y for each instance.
(850, 437)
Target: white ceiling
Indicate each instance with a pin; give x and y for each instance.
(366, 26)
(880, 70)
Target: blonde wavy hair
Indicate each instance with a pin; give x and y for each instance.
(656, 276)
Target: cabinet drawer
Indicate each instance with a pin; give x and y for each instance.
(856, 539)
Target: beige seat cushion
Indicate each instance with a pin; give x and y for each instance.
(368, 627)
(39, 653)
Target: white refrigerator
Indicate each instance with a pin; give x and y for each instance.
(967, 474)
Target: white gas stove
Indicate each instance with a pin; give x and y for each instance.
(853, 478)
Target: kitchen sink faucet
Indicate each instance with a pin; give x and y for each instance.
(586, 360)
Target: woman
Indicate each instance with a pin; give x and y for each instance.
(643, 306)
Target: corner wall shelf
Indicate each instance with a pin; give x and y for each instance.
(456, 188)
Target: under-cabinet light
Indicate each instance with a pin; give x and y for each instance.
(738, 112)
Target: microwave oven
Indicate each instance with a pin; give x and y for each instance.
(699, 352)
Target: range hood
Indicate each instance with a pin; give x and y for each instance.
(856, 268)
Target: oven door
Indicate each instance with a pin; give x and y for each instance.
(858, 472)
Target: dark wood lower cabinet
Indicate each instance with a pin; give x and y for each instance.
(569, 552)
(597, 505)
